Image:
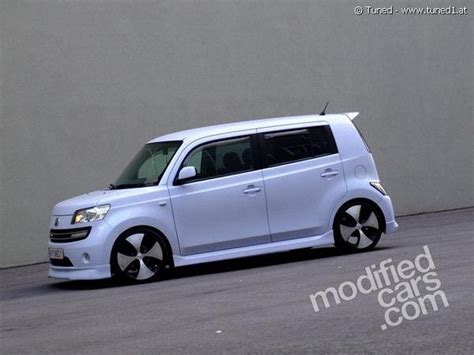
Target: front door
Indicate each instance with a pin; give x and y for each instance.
(224, 206)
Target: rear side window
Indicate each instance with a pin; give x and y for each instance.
(299, 144)
(220, 158)
(361, 136)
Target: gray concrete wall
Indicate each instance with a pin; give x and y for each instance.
(85, 83)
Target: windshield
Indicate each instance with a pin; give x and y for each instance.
(148, 165)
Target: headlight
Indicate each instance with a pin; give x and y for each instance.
(378, 186)
(90, 214)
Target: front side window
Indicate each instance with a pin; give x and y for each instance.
(298, 144)
(221, 158)
(147, 167)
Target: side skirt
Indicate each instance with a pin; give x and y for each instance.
(267, 248)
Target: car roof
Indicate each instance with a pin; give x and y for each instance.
(197, 133)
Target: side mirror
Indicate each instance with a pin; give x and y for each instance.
(186, 173)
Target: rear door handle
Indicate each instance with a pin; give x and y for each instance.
(252, 189)
(329, 173)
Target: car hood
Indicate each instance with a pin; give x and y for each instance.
(100, 197)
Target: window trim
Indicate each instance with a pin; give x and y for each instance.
(264, 151)
(254, 148)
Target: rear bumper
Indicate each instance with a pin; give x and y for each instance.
(385, 204)
(391, 227)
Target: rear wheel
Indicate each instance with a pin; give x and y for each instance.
(358, 226)
(138, 255)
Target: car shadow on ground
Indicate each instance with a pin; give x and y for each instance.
(216, 267)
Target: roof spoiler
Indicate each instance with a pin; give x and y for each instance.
(352, 115)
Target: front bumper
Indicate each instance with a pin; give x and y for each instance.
(89, 258)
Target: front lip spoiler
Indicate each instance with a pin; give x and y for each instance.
(83, 273)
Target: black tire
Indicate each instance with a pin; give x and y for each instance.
(138, 255)
(358, 226)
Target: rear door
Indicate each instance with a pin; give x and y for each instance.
(303, 179)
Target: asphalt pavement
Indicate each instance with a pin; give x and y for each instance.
(256, 305)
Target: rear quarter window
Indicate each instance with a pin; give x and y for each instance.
(362, 137)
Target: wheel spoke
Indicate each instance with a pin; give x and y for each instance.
(136, 241)
(144, 272)
(124, 260)
(354, 212)
(364, 241)
(353, 239)
(347, 231)
(371, 221)
(155, 252)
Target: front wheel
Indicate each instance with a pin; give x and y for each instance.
(358, 226)
(138, 255)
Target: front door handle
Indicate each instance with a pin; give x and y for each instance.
(252, 189)
(329, 173)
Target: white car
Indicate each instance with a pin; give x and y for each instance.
(223, 192)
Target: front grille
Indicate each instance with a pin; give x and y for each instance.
(68, 235)
(63, 262)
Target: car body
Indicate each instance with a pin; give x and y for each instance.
(223, 192)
